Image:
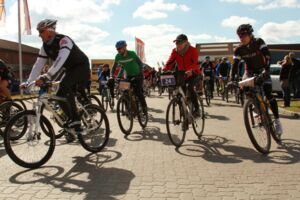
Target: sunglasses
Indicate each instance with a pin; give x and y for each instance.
(118, 49)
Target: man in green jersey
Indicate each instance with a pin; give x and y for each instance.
(133, 67)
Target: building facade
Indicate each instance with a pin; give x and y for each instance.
(219, 50)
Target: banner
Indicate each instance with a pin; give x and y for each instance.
(25, 18)
(140, 49)
(2, 13)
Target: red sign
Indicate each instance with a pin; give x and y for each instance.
(140, 49)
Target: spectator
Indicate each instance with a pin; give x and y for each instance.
(284, 80)
(295, 74)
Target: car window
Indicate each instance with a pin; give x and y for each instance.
(275, 70)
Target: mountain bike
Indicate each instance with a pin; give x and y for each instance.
(129, 107)
(37, 143)
(207, 89)
(258, 122)
(106, 97)
(179, 111)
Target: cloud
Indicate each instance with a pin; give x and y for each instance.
(280, 32)
(159, 40)
(252, 2)
(78, 20)
(157, 9)
(235, 21)
(267, 4)
(279, 4)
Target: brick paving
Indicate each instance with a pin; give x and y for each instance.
(145, 165)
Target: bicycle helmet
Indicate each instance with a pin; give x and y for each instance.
(244, 29)
(120, 44)
(46, 23)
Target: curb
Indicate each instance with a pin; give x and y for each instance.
(296, 115)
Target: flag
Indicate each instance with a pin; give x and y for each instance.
(140, 49)
(2, 12)
(25, 18)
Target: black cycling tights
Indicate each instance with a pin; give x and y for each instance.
(72, 79)
(273, 103)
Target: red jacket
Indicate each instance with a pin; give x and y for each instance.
(185, 63)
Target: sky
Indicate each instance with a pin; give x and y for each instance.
(96, 25)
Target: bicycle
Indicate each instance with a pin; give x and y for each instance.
(257, 117)
(238, 94)
(180, 109)
(207, 90)
(106, 97)
(38, 131)
(129, 107)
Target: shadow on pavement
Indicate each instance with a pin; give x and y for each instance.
(218, 117)
(87, 176)
(149, 133)
(155, 110)
(156, 119)
(219, 149)
(230, 104)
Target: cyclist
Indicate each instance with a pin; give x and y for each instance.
(5, 78)
(133, 67)
(208, 70)
(105, 76)
(68, 59)
(223, 70)
(256, 55)
(186, 58)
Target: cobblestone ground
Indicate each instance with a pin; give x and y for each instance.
(145, 165)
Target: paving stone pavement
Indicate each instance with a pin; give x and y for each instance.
(145, 165)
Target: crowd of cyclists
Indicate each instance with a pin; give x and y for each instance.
(71, 67)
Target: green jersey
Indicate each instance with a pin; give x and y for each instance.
(130, 63)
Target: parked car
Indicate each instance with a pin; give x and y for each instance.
(274, 72)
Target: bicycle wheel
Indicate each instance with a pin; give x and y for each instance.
(257, 126)
(95, 100)
(176, 122)
(21, 103)
(104, 100)
(207, 94)
(275, 136)
(226, 91)
(142, 117)
(7, 111)
(35, 147)
(237, 95)
(199, 122)
(96, 124)
(124, 115)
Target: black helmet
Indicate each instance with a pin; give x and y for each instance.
(46, 23)
(244, 28)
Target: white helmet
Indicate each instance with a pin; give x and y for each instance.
(46, 23)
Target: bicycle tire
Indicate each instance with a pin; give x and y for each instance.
(207, 94)
(102, 121)
(257, 146)
(275, 136)
(9, 105)
(95, 100)
(50, 145)
(123, 103)
(199, 133)
(21, 102)
(142, 122)
(183, 117)
(226, 91)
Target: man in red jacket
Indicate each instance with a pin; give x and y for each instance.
(186, 58)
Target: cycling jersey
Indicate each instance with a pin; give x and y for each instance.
(65, 54)
(256, 56)
(186, 62)
(223, 69)
(131, 63)
(207, 68)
